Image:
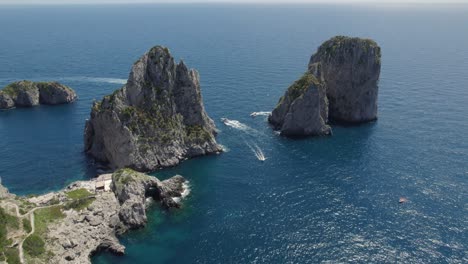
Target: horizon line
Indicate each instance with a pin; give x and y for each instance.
(285, 2)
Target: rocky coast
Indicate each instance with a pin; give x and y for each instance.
(71, 225)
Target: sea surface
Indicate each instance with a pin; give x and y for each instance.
(328, 199)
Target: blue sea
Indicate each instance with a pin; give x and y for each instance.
(328, 199)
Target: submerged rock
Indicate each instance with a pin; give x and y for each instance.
(27, 94)
(155, 120)
(340, 84)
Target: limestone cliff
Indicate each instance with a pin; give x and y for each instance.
(303, 110)
(340, 84)
(155, 120)
(27, 93)
(351, 70)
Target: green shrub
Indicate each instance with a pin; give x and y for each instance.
(27, 225)
(79, 204)
(34, 245)
(44, 216)
(12, 256)
(300, 86)
(78, 194)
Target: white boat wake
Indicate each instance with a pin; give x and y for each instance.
(254, 114)
(257, 151)
(237, 125)
(75, 79)
(94, 79)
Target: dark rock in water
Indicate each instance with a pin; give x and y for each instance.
(6, 102)
(351, 69)
(340, 84)
(155, 120)
(27, 94)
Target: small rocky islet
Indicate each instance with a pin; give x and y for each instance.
(27, 94)
(155, 120)
(340, 85)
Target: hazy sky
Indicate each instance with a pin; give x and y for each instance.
(220, 1)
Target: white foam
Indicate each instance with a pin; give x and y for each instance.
(185, 192)
(254, 114)
(186, 187)
(224, 148)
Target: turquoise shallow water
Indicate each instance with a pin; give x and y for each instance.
(313, 200)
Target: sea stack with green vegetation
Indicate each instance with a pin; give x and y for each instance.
(341, 85)
(27, 94)
(70, 225)
(156, 120)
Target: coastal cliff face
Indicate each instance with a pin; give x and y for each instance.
(351, 70)
(303, 110)
(155, 120)
(341, 84)
(27, 94)
(72, 224)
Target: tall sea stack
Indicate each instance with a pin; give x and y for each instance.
(340, 84)
(156, 120)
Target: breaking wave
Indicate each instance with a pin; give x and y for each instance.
(185, 192)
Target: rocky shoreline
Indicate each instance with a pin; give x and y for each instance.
(88, 215)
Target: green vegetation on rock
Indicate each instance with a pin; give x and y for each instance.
(11, 256)
(34, 245)
(79, 204)
(78, 194)
(197, 132)
(45, 216)
(27, 225)
(81, 198)
(14, 88)
(300, 86)
(7, 223)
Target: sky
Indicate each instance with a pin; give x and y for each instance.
(220, 1)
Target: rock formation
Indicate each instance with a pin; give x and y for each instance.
(80, 232)
(351, 70)
(303, 110)
(341, 84)
(27, 93)
(155, 120)
(132, 188)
